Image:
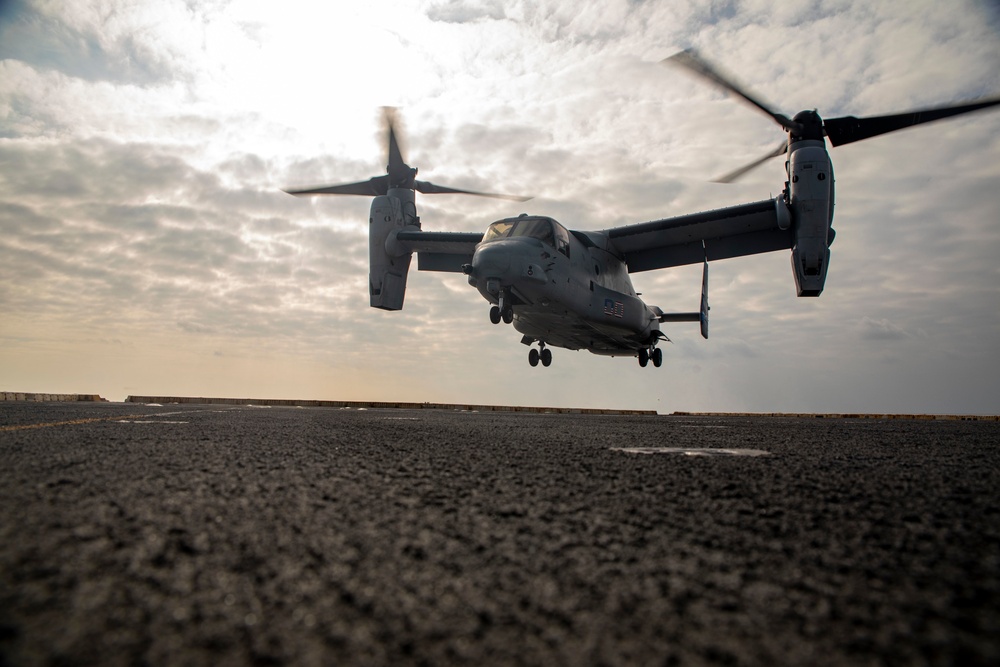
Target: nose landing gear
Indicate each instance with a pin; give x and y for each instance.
(502, 311)
(544, 355)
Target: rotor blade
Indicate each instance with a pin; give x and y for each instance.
(373, 187)
(394, 159)
(733, 175)
(849, 128)
(690, 60)
(431, 189)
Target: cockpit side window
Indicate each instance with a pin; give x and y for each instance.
(562, 238)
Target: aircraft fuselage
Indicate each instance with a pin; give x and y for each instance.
(560, 289)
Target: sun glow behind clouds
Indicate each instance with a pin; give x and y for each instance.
(317, 67)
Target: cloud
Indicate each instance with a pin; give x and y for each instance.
(466, 11)
(82, 44)
(881, 329)
(136, 226)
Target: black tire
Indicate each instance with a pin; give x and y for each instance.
(495, 314)
(643, 357)
(657, 357)
(546, 357)
(533, 357)
(508, 316)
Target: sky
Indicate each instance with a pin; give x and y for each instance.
(147, 248)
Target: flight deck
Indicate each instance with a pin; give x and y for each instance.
(237, 534)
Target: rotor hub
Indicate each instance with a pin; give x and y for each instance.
(810, 126)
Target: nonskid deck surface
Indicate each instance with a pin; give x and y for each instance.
(206, 534)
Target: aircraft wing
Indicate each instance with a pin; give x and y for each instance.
(440, 251)
(746, 229)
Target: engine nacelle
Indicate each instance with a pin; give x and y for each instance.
(389, 264)
(811, 196)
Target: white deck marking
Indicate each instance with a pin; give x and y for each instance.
(692, 451)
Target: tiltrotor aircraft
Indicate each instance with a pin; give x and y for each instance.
(572, 289)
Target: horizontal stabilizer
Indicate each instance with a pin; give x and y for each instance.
(680, 317)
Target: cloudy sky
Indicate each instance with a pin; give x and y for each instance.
(146, 246)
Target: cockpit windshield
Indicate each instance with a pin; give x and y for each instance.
(536, 228)
(546, 230)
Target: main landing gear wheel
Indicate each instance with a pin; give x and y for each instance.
(495, 315)
(655, 355)
(544, 355)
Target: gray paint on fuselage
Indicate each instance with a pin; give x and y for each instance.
(581, 301)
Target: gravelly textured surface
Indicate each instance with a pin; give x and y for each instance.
(207, 535)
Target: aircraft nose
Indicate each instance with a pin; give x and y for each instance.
(490, 261)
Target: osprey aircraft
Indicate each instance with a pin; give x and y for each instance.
(572, 289)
